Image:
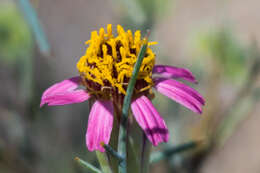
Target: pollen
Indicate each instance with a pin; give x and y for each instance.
(109, 60)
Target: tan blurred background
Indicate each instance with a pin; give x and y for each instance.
(217, 40)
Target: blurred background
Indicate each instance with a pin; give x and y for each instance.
(42, 40)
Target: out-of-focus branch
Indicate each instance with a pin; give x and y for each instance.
(247, 90)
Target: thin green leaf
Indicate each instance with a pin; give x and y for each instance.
(103, 161)
(122, 141)
(33, 21)
(158, 156)
(87, 165)
(113, 153)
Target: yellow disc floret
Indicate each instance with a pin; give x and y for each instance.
(108, 62)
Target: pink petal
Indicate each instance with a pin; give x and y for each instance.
(174, 72)
(150, 120)
(64, 92)
(100, 124)
(181, 93)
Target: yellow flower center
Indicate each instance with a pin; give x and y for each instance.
(109, 61)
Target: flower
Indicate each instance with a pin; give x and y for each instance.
(105, 71)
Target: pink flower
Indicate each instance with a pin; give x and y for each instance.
(105, 81)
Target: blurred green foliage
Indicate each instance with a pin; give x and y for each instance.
(154, 8)
(143, 14)
(15, 37)
(221, 45)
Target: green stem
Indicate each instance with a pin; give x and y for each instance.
(145, 154)
(122, 139)
(113, 162)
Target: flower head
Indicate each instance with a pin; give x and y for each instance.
(105, 71)
(107, 66)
